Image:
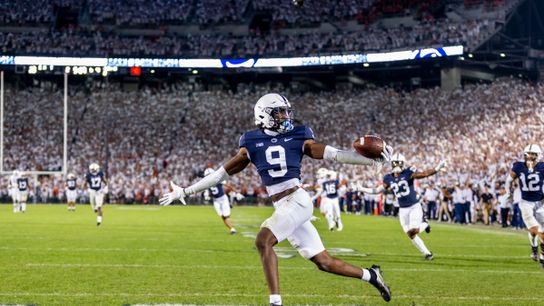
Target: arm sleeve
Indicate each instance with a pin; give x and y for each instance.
(346, 157)
(372, 190)
(308, 133)
(208, 181)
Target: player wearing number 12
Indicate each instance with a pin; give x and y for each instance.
(401, 181)
(531, 177)
(276, 149)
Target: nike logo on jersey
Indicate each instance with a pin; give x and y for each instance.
(287, 139)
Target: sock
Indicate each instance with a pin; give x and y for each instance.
(423, 226)
(275, 299)
(330, 220)
(366, 275)
(23, 207)
(533, 240)
(99, 219)
(418, 243)
(15, 208)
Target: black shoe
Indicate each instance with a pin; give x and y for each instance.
(542, 263)
(376, 280)
(274, 304)
(534, 253)
(428, 229)
(98, 223)
(429, 257)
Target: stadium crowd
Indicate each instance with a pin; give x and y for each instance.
(143, 138)
(95, 43)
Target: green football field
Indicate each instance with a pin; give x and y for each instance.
(184, 255)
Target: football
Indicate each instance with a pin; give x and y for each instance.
(369, 146)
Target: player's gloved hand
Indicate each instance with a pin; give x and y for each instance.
(387, 153)
(105, 189)
(440, 166)
(177, 193)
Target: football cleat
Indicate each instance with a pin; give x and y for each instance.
(98, 223)
(428, 229)
(377, 281)
(233, 231)
(534, 253)
(274, 304)
(542, 262)
(429, 257)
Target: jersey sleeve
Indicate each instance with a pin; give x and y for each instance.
(308, 133)
(516, 168)
(242, 141)
(385, 181)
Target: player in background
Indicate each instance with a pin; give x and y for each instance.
(327, 191)
(98, 187)
(331, 188)
(531, 177)
(71, 191)
(401, 181)
(14, 190)
(220, 202)
(276, 149)
(23, 188)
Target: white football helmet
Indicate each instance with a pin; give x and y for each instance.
(397, 162)
(273, 111)
(333, 174)
(322, 173)
(16, 173)
(208, 171)
(94, 168)
(71, 176)
(532, 148)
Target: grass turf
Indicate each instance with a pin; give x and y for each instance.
(184, 255)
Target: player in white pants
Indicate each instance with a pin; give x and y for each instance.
(531, 179)
(276, 149)
(23, 188)
(97, 184)
(401, 181)
(71, 192)
(14, 190)
(221, 202)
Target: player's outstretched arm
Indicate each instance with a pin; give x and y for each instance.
(236, 164)
(508, 182)
(322, 151)
(429, 172)
(375, 190)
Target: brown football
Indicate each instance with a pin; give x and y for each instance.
(369, 146)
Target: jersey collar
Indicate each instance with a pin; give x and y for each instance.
(270, 132)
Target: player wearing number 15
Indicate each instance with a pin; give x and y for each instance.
(276, 149)
(531, 177)
(97, 184)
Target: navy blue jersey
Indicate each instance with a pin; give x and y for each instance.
(530, 182)
(403, 187)
(22, 183)
(277, 158)
(71, 183)
(330, 188)
(95, 181)
(217, 191)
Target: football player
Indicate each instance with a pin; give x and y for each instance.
(401, 181)
(531, 177)
(98, 187)
(14, 190)
(23, 187)
(325, 207)
(329, 200)
(220, 202)
(71, 191)
(276, 149)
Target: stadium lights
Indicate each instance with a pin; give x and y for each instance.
(470, 55)
(321, 60)
(502, 55)
(366, 65)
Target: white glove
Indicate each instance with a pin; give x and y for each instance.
(105, 189)
(441, 165)
(387, 153)
(177, 193)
